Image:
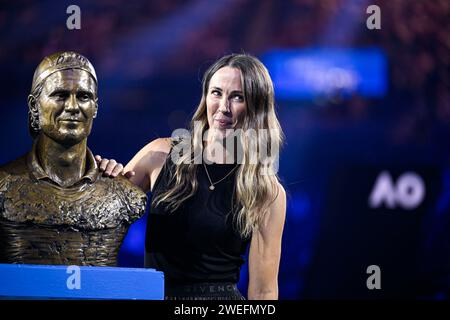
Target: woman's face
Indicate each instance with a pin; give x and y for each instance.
(225, 103)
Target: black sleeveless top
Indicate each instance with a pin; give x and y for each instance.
(198, 242)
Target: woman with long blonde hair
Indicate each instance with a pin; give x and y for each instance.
(215, 189)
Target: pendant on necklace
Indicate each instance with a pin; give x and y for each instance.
(211, 187)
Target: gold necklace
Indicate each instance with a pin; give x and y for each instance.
(212, 187)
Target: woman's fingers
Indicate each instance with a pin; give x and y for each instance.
(103, 164)
(117, 170)
(110, 167)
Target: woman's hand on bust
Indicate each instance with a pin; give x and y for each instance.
(112, 168)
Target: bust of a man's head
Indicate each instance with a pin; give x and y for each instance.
(55, 207)
(63, 99)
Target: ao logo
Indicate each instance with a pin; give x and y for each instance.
(408, 192)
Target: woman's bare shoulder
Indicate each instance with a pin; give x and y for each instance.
(149, 161)
(159, 145)
(150, 156)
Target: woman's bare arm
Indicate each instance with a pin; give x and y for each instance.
(265, 252)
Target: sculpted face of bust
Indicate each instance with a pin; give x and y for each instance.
(67, 106)
(62, 105)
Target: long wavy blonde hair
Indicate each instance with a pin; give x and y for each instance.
(256, 182)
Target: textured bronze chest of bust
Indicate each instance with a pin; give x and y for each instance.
(42, 223)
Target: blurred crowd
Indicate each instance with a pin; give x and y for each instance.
(414, 35)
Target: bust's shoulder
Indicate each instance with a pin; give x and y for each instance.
(10, 172)
(17, 167)
(132, 197)
(126, 185)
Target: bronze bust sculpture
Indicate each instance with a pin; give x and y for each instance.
(55, 207)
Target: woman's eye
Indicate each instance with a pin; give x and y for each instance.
(216, 93)
(238, 98)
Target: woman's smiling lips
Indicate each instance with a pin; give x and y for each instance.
(223, 123)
